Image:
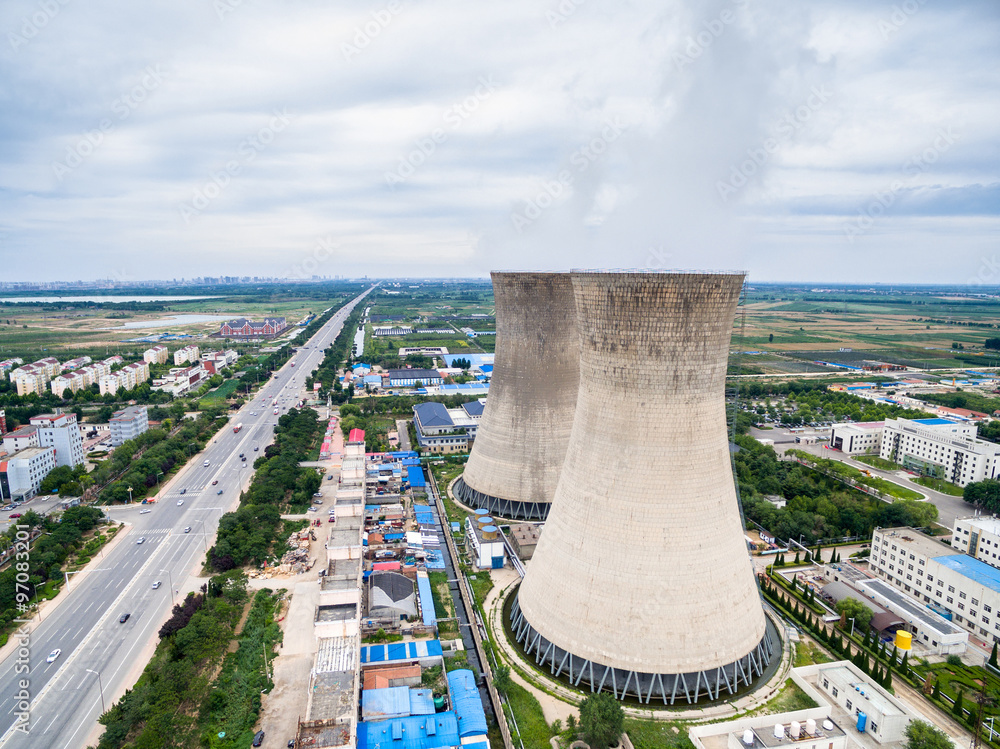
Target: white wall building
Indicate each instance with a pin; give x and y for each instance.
(485, 544)
(128, 424)
(21, 439)
(155, 355)
(24, 471)
(186, 354)
(857, 439)
(958, 585)
(60, 430)
(941, 448)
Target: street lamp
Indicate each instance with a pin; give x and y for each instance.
(852, 626)
(130, 495)
(100, 684)
(170, 581)
(158, 474)
(67, 574)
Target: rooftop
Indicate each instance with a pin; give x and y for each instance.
(918, 542)
(988, 523)
(934, 422)
(916, 611)
(975, 570)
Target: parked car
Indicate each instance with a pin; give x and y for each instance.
(144, 512)
(318, 494)
(123, 618)
(53, 655)
(331, 519)
(157, 584)
(14, 515)
(258, 738)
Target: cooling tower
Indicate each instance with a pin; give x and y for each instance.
(641, 583)
(521, 442)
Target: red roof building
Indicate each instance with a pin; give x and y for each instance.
(357, 436)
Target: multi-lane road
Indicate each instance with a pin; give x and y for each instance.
(98, 652)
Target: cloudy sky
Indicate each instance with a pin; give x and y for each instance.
(820, 141)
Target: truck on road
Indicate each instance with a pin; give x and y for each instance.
(237, 428)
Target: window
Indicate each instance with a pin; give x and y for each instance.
(951, 588)
(909, 566)
(975, 602)
(961, 607)
(826, 683)
(874, 727)
(849, 705)
(930, 578)
(961, 595)
(987, 609)
(835, 691)
(951, 600)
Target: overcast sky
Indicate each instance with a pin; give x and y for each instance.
(821, 141)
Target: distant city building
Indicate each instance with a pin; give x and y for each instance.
(21, 474)
(76, 363)
(186, 354)
(61, 431)
(8, 364)
(243, 328)
(128, 424)
(156, 355)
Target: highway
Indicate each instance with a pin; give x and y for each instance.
(98, 652)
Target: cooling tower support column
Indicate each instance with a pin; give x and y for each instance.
(521, 443)
(641, 583)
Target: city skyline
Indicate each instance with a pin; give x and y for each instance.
(841, 143)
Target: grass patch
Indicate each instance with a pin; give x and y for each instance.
(939, 485)
(221, 393)
(876, 462)
(790, 698)
(657, 734)
(531, 726)
(444, 605)
(482, 583)
(809, 653)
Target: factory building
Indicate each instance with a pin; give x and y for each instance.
(626, 592)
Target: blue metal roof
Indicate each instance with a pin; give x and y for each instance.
(400, 651)
(466, 702)
(415, 476)
(474, 408)
(415, 732)
(396, 702)
(433, 414)
(973, 569)
(426, 601)
(933, 422)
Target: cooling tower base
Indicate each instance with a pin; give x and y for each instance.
(671, 688)
(505, 508)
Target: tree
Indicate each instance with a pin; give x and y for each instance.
(984, 494)
(959, 699)
(601, 720)
(501, 679)
(851, 608)
(770, 338)
(921, 735)
(993, 656)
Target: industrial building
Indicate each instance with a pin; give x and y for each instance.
(626, 590)
(446, 430)
(514, 466)
(524, 539)
(484, 542)
(861, 438)
(964, 590)
(401, 378)
(128, 424)
(979, 537)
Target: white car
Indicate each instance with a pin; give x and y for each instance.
(144, 512)
(53, 655)
(141, 540)
(157, 584)
(180, 502)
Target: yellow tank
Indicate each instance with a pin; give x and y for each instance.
(904, 639)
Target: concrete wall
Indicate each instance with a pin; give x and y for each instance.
(642, 564)
(522, 438)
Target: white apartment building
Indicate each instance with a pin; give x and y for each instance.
(61, 431)
(186, 354)
(941, 448)
(128, 424)
(953, 584)
(156, 355)
(21, 474)
(71, 381)
(8, 364)
(109, 383)
(857, 439)
(21, 439)
(76, 363)
(113, 360)
(180, 380)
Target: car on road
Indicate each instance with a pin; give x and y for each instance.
(14, 515)
(241, 455)
(157, 584)
(244, 460)
(330, 477)
(9, 507)
(53, 655)
(141, 540)
(215, 482)
(312, 509)
(318, 494)
(180, 502)
(331, 519)
(256, 449)
(184, 491)
(187, 528)
(123, 618)
(219, 492)
(258, 738)
(144, 512)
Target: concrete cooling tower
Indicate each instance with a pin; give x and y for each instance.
(521, 442)
(641, 583)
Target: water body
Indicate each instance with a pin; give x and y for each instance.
(101, 299)
(165, 322)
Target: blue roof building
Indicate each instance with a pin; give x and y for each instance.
(414, 732)
(466, 703)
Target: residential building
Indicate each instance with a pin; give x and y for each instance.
(71, 381)
(3, 422)
(443, 430)
(965, 590)
(180, 380)
(940, 448)
(410, 377)
(76, 363)
(8, 364)
(21, 439)
(21, 473)
(243, 328)
(109, 384)
(863, 438)
(61, 431)
(128, 424)
(30, 383)
(186, 354)
(156, 355)
(111, 361)
(219, 359)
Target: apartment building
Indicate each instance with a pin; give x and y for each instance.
(21, 439)
(156, 355)
(30, 383)
(21, 474)
(941, 448)
(186, 354)
(128, 424)
(61, 431)
(76, 363)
